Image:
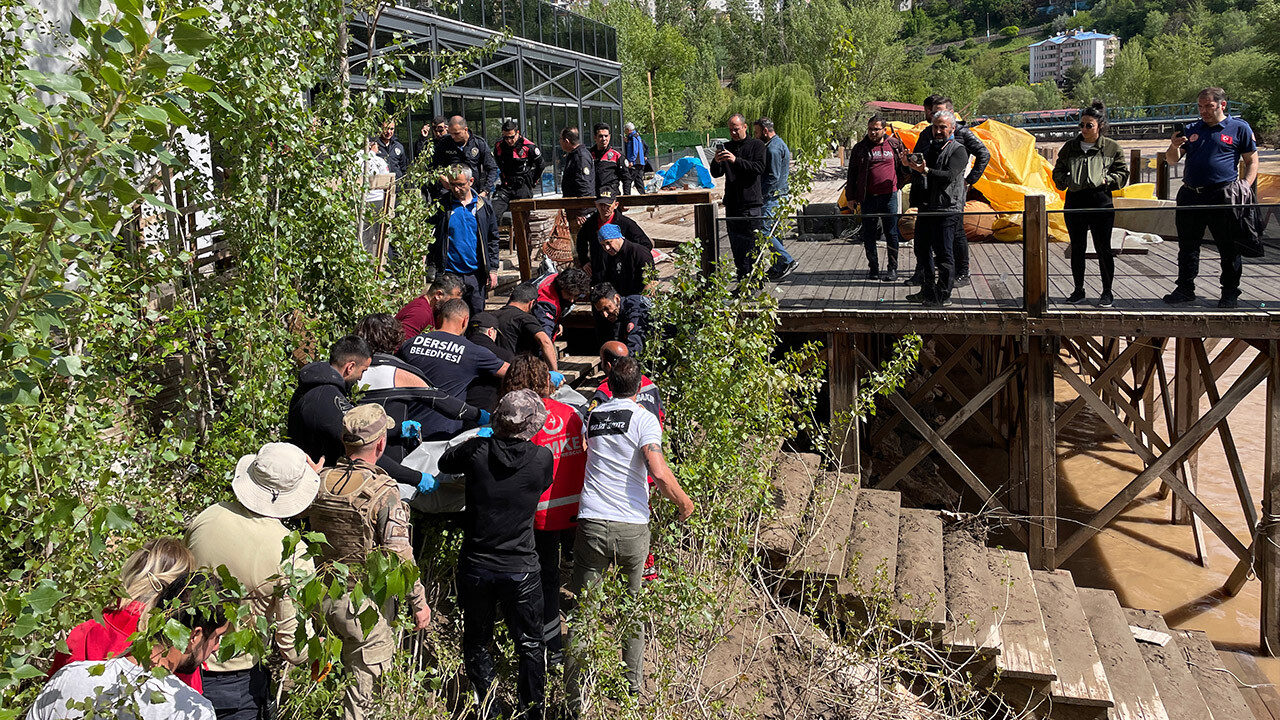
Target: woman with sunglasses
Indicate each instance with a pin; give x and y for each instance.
(1089, 167)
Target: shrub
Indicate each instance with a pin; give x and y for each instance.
(1009, 31)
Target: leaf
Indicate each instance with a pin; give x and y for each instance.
(112, 77)
(223, 102)
(117, 518)
(190, 39)
(177, 634)
(69, 366)
(89, 9)
(154, 114)
(43, 598)
(197, 82)
(26, 672)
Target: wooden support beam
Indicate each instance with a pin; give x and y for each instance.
(707, 231)
(1162, 177)
(842, 383)
(1041, 454)
(1224, 432)
(520, 241)
(1102, 380)
(1135, 166)
(883, 431)
(1185, 443)
(1269, 534)
(1149, 458)
(1035, 248)
(1187, 389)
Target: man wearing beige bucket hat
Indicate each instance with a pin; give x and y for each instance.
(358, 508)
(246, 535)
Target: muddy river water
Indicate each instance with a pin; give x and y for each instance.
(1148, 561)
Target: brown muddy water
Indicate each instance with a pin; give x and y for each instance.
(1148, 561)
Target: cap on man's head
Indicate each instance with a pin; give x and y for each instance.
(606, 196)
(609, 231)
(484, 320)
(519, 415)
(365, 424)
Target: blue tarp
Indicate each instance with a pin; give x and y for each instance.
(681, 167)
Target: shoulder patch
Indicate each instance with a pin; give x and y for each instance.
(586, 171)
(475, 151)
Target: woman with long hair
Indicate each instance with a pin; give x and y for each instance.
(1089, 167)
(146, 574)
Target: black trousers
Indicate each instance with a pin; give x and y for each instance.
(480, 593)
(503, 196)
(742, 237)
(1192, 224)
(633, 174)
(552, 546)
(886, 205)
(240, 695)
(935, 248)
(1099, 224)
(475, 290)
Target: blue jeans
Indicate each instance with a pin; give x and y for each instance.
(886, 205)
(771, 230)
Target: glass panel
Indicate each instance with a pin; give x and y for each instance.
(473, 81)
(505, 72)
(474, 114)
(451, 105)
(492, 120)
(471, 12)
(529, 20)
(547, 29)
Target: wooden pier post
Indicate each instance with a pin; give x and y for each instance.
(706, 230)
(1035, 249)
(1040, 436)
(1188, 386)
(1135, 166)
(1162, 177)
(842, 386)
(520, 241)
(1267, 544)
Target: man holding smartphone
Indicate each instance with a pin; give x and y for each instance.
(1222, 163)
(741, 162)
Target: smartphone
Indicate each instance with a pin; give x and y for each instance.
(916, 158)
(717, 145)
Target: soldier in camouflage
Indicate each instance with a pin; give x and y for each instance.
(359, 510)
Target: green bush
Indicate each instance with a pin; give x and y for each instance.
(1009, 31)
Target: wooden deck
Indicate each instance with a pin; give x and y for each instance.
(829, 292)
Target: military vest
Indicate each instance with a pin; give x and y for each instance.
(346, 510)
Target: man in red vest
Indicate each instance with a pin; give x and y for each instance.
(556, 294)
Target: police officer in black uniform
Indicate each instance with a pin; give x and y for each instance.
(579, 178)
(390, 149)
(610, 165)
(520, 162)
(463, 147)
(438, 128)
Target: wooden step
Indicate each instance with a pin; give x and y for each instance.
(1024, 643)
(1169, 671)
(1135, 695)
(1081, 679)
(970, 598)
(793, 483)
(1259, 694)
(920, 586)
(819, 553)
(1217, 686)
(871, 564)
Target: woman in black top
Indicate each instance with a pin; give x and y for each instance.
(1089, 167)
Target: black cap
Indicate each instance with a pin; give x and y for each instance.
(607, 194)
(484, 320)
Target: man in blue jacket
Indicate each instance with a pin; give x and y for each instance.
(773, 185)
(633, 154)
(466, 238)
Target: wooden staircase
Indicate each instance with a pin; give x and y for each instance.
(1045, 647)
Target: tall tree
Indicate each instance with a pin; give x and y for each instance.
(1179, 62)
(1126, 81)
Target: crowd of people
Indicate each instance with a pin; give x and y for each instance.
(458, 416)
(949, 158)
(443, 409)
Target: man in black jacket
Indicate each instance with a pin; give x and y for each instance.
(463, 147)
(320, 401)
(591, 256)
(390, 149)
(610, 165)
(938, 186)
(741, 163)
(498, 564)
(520, 163)
(438, 128)
(578, 178)
(977, 150)
(624, 318)
(466, 233)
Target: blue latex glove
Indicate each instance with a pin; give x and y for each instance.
(485, 432)
(410, 429)
(427, 485)
(485, 418)
(557, 379)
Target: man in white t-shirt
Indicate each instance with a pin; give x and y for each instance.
(624, 447)
(123, 689)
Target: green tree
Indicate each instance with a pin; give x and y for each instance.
(1179, 63)
(1048, 96)
(1007, 99)
(651, 53)
(866, 63)
(1126, 81)
(957, 81)
(788, 95)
